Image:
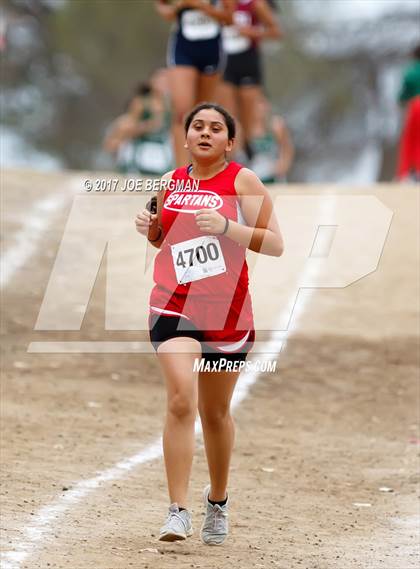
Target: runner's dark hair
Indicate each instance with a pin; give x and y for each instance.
(143, 89)
(229, 120)
(140, 90)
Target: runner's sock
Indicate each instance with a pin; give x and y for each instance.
(222, 503)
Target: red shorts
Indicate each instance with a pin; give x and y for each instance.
(225, 327)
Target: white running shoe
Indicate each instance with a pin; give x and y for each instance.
(215, 526)
(177, 526)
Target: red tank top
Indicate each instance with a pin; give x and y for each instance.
(246, 11)
(244, 15)
(181, 201)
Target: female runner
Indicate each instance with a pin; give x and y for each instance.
(195, 57)
(200, 307)
(253, 22)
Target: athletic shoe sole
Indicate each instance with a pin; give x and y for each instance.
(172, 536)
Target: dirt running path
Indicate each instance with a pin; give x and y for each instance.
(335, 423)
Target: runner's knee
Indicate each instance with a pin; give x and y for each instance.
(181, 406)
(213, 416)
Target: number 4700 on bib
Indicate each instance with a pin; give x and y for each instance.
(197, 259)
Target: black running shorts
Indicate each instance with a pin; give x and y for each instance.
(244, 68)
(164, 328)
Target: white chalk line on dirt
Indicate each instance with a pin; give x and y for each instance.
(47, 517)
(35, 224)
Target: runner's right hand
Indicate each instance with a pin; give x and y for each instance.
(146, 222)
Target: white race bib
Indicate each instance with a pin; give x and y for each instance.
(233, 42)
(196, 25)
(198, 259)
(153, 157)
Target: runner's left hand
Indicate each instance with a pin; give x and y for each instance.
(210, 221)
(250, 32)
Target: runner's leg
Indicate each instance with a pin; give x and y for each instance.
(207, 87)
(176, 357)
(248, 99)
(227, 96)
(215, 392)
(183, 82)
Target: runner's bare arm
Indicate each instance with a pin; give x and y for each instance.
(119, 131)
(166, 10)
(157, 219)
(153, 124)
(267, 28)
(112, 139)
(150, 225)
(262, 233)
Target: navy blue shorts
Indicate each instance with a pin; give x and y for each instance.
(206, 56)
